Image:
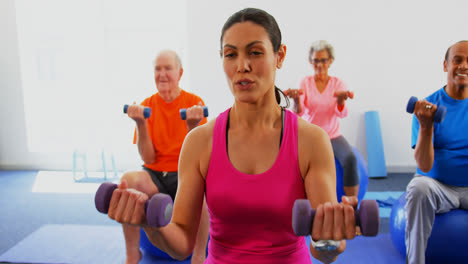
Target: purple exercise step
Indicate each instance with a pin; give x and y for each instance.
(367, 217)
(158, 208)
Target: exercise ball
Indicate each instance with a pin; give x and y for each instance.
(149, 248)
(398, 224)
(449, 236)
(363, 176)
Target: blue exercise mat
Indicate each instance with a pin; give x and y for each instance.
(74, 244)
(55, 244)
(375, 152)
(368, 250)
(385, 200)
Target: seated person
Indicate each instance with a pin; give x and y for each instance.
(252, 164)
(321, 101)
(159, 139)
(441, 153)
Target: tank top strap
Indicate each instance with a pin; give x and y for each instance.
(218, 150)
(289, 144)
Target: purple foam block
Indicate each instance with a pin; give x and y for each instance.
(302, 217)
(103, 196)
(159, 210)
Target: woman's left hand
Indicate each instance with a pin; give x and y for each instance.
(334, 221)
(342, 96)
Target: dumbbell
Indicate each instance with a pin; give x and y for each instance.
(350, 94)
(183, 112)
(367, 217)
(288, 91)
(439, 114)
(158, 208)
(146, 111)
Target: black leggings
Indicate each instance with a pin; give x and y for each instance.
(344, 154)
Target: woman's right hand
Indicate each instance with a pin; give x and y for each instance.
(136, 112)
(334, 221)
(127, 206)
(342, 96)
(293, 93)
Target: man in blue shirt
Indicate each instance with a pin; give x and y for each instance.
(441, 153)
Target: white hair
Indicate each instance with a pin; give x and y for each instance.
(322, 45)
(169, 52)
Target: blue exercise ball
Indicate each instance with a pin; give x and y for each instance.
(149, 248)
(449, 236)
(363, 176)
(398, 224)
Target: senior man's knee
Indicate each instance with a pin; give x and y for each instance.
(420, 188)
(134, 179)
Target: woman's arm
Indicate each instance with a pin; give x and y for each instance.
(341, 93)
(316, 163)
(332, 220)
(178, 237)
(297, 106)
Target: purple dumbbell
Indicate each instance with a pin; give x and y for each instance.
(183, 112)
(146, 111)
(439, 114)
(158, 208)
(367, 217)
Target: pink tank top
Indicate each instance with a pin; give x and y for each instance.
(251, 215)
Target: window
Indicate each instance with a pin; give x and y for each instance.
(82, 60)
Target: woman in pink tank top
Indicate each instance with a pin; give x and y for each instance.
(252, 162)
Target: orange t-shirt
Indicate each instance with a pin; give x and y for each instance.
(167, 130)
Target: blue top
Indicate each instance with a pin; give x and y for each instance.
(450, 141)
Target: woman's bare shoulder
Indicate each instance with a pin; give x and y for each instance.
(201, 134)
(197, 147)
(309, 132)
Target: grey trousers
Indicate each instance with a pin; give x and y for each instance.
(345, 155)
(425, 198)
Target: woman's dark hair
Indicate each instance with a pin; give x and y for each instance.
(265, 20)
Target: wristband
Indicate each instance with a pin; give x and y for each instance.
(341, 107)
(324, 245)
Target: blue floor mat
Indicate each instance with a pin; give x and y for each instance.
(75, 244)
(385, 201)
(368, 250)
(78, 244)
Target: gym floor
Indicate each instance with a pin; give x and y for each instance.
(24, 211)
